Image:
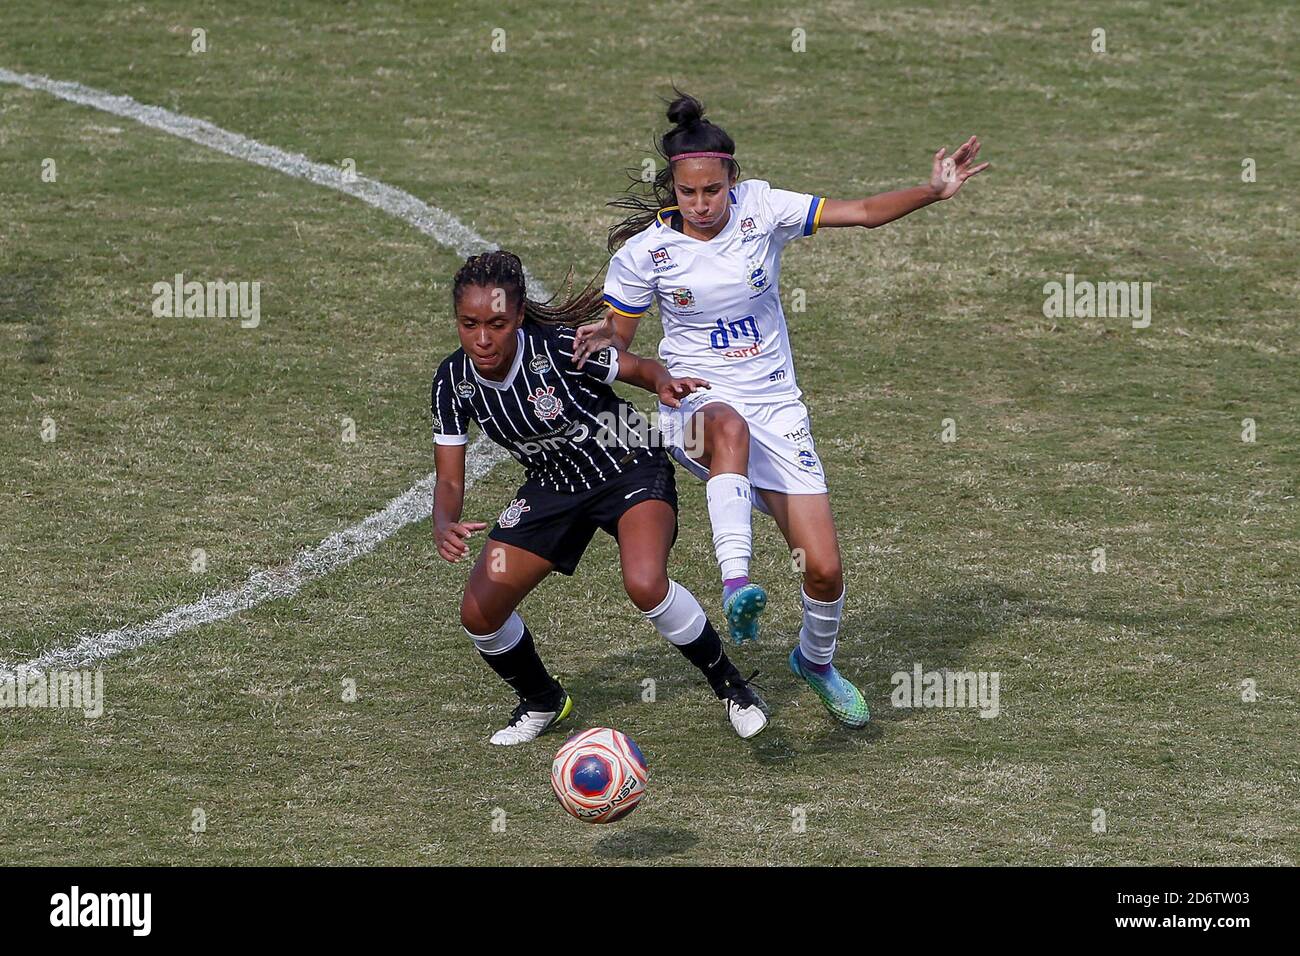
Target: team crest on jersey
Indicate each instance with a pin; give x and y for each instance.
(757, 277)
(807, 459)
(465, 389)
(540, 364)
(683, 298)
(514, 513)
(545, 405)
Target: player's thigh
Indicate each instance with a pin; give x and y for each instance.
(645, 536)
(808, 527)
(502, 576)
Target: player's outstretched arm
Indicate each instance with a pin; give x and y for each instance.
(448, 500)
(947, 175)
(653, 377)
(614, 329)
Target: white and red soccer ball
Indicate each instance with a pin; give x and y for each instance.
(599, 775)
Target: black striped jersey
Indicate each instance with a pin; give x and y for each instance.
(565, 424)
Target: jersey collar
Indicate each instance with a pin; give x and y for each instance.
(514, 366)
(665, 215)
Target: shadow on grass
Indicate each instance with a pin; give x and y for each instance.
(648, 843)
(936, 629)
(25, 300)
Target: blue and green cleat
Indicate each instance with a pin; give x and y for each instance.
(743, 607)
(841, 698)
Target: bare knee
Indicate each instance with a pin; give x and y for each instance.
(823, 577)
(647, 587)
(727, 431)
(477, 619)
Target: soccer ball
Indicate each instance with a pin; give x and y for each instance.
(599, 775)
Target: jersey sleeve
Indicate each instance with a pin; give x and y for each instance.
(601, 366)
(450, 423)
(791, 214)
(627, 292)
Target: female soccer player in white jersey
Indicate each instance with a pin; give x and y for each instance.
(707, 250)
(514, 376)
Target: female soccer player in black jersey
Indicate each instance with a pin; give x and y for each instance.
(514, 375)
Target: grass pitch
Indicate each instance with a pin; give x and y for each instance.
(1120, 691)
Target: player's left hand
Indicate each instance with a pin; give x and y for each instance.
(674, 390)
(949, 172)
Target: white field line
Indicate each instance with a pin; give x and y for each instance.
(338, 549)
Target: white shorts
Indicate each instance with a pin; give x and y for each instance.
(782, 456)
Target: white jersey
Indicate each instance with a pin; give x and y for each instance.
(719, 300)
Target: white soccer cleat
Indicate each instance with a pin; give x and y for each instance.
(527, 724)
(745, 709)
(748, 721)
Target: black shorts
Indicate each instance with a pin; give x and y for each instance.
(558, 526)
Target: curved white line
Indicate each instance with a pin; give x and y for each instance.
(345, 546)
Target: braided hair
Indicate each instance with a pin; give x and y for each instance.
(499, 269)
(690, 133)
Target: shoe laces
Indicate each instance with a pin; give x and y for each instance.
(535, 704)
(517, 716)
(739, 692)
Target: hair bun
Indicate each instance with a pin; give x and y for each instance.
(686, 110)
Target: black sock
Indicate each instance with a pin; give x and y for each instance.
(523, 670)
(706, 653)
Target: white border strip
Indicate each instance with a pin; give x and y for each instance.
(344, 546)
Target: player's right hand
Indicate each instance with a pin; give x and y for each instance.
(451, 539)
(949, 172)
(674, 390)
(591, 338)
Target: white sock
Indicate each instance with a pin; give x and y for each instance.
(821, 624)
(730, 512)
(679, 619)
(502, 639)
